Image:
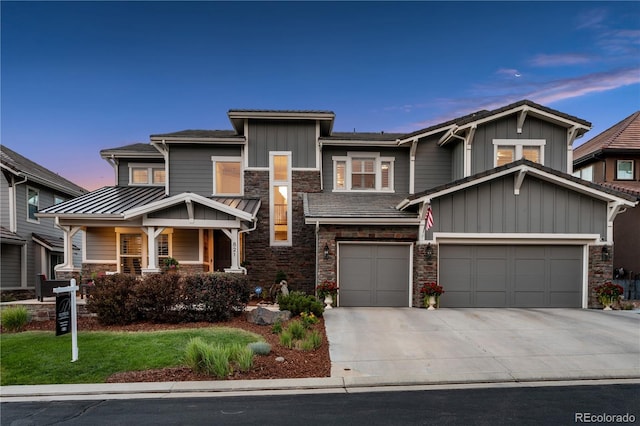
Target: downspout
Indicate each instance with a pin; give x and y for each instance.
(13, 214)
(242, 231)
(114, 163)
(164, 150)
(317, 251)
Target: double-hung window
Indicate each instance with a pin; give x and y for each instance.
(363, 171)
(146, 174)
(131, 253)
(509, 150)
(33, 204)
(624, 170)
(585, 173)
(227, 175)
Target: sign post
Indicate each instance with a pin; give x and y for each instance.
(66, 314)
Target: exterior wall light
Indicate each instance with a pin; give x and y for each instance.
(606, 255)
(429, 253)
(326, 251)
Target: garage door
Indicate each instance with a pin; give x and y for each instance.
(510, 276)
(373, 274)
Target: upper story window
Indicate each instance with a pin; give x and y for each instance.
(624, 170)
(280, 198)
(227, 175)
(509, 150)
(33, 204)
(363, 171)
(146, 174)
(57, 199)
(585, 173)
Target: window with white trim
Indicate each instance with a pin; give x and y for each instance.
(131, 253)
(227, 175)
(146, 174)
(57, 199)
(33, 204)
(280, 198)
(624, 170)
(585, 173)
(363, 171)
(506, 151)
(162, 248)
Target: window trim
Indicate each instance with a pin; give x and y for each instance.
(272, 183)
(223, 159)
(580, 173)
(633, 171)
(35, 219)
(518, 144)
(378, 161)
(150, 168)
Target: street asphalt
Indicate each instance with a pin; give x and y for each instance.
(400, 348)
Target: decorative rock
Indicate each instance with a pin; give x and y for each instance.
(280, 359)
(263, 316)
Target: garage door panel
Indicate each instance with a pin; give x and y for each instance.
(511, 276)
(387, 274)
(358, 275)
(355, 298)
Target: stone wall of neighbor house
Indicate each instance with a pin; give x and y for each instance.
(297, 261)
(330, 235)
(600, 271)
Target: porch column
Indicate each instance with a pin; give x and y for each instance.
(234, 236)
(68, 234)
(152, 252)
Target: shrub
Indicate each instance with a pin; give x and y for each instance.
(276, 328)
(214, 296)
(14, 318)
(308, 319)
(220, 363)
(286, 339)
(157, 296)
(296, 329)
(113, 299)
(198, 355)
(297, 302)
(312, 341)
(260, 348)
(242, 356)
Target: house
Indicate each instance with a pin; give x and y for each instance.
(282, 191)
(612, 159)
(31, 245)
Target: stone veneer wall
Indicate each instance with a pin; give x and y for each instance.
(600, 271)
(423, 269)
(297, 261)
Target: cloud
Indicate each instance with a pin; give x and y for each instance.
(543, 60)
(592, 19)
(490, 97)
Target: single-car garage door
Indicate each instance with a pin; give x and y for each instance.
(373, 274)
(516, 276)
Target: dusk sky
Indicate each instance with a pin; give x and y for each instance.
(78, 77)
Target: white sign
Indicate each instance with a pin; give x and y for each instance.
(74, 320)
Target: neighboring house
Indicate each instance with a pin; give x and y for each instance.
(30, 245)
(283, 191)
(612, 159)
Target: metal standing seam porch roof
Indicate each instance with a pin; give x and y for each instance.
(113, 202)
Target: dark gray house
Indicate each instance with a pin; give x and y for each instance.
(283, 191)
(31, 245)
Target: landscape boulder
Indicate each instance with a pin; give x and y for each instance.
(264, 316)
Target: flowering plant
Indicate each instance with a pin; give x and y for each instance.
(170, 264)
(608, 292)
(327, 288)
(431, 289)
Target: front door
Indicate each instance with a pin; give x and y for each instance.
(221, 251)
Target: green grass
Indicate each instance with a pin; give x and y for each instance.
(38, 357)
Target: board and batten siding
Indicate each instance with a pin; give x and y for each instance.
(541, 207)
(123, 168)
(555, 148)
(199, 213)
(10, 270)
(400, 165)
(433, 166)
(296, 136)
(101, 244)
(185, 244)
(191, 168)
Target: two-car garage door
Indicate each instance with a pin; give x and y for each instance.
(511, 275)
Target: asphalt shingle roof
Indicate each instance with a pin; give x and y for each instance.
(354, 205)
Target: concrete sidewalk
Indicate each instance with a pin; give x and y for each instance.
(476, 345)
(397, 348)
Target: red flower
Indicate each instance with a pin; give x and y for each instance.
(431, 289)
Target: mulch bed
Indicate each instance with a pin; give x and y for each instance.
(296, 364)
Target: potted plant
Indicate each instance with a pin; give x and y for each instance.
(327, 290)
(171, 264)
(608, 293)
(431, 293)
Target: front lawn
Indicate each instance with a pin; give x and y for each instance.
(38, 357)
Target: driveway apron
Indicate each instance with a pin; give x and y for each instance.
(478, 345)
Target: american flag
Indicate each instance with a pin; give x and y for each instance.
(428, 219)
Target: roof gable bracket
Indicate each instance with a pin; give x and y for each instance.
(189, 205)
(518, 179)
(572, 134)
(446, 136)
(613, 209)
(521, 117)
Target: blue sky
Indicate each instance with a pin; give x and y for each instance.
(78, 77)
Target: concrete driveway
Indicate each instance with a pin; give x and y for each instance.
(408, 345)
